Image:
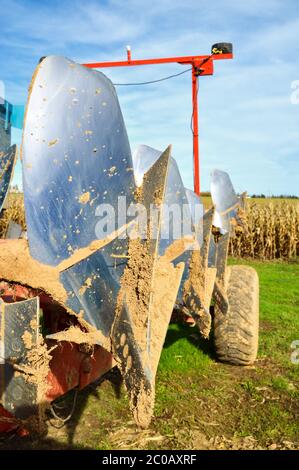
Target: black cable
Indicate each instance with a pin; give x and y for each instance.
(169, 77)
(60, 419)
(153, 81)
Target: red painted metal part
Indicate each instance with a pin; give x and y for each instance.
(196, 175)
(201, 65)
(165, 60)
(8, 423)
(71, 365)
(69, 368)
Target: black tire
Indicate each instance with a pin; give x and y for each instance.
(236, 332)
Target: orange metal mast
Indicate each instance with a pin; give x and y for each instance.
(201, 65)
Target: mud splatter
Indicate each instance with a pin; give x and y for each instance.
(87, 284)
(112, 171)
(27, 339)
(74, 334)
(17, 265)
(35, 371)
(84, 198)
(178, 247)
(53, 142)
(199, 287)
(149, 288)
(196, 279)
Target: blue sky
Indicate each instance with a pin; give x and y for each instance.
(248, 125)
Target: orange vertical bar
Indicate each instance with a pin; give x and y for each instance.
(195, 132)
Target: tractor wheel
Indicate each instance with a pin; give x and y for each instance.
(236, 332)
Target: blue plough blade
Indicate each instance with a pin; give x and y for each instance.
(76, 160)
(225, 200)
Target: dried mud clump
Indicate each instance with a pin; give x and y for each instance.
(17, 265)
(198, 290)
(35, 371)
(136, 287)
(149, 288)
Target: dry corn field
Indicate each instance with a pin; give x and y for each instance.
(272, 228)
(272, 232)
(15, 212)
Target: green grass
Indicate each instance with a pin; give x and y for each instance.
(279, 308)
(201, 403)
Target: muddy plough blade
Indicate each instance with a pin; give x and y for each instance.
(74, 136)
(229, 206)
(19, 323)
(229, 214)
(187, 240)
(181, 214)
(149, 280)
(85, 159)
(199, 284)
(86, 154)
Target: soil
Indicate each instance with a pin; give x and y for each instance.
(200, 284)
(27, 339)
(17, 265)
(74, 334)
(136, 288)
(36, 370)
(87, 284)
(85, 198)
(150, 289)
(178, 247)
(53, 142)
(196, 278)
(39, 358)
(209, 286)
(167, 279)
